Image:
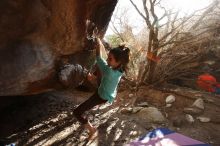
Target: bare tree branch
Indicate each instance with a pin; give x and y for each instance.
(210, 9)
(153, 12)
(139, 12)
(115, 30)
(147, 20)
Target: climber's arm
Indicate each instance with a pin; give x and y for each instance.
(97, 46)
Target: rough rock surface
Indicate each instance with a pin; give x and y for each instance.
(37, 36)
(151, 114)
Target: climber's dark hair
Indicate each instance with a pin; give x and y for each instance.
(122, 55)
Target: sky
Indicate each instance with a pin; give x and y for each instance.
(185, 7)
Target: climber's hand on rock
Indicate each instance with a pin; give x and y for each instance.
(91, 77)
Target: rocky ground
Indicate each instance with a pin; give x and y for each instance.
(47, 119)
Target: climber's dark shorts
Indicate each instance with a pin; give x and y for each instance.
(94, 100)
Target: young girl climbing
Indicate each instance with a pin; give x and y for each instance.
(111, 71)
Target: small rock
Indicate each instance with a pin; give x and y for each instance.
(127, 139)
(189, 118)
(153, 126)
(211, 142)
(131, 95)
(203, 119)
(143, 104)
(126, 111)
(163, 124)
(170, 99)
(136, 109)
(198, 95)
(168, 105)
(193, 111)
(199, 103)
(150, 114)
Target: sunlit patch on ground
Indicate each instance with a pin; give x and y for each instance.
(49, 121)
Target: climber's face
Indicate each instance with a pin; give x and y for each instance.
(112, 62)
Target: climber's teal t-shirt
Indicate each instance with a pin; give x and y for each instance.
(109, 82)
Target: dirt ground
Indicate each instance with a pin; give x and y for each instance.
(47, 119)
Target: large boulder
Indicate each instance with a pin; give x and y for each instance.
(38, 36)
